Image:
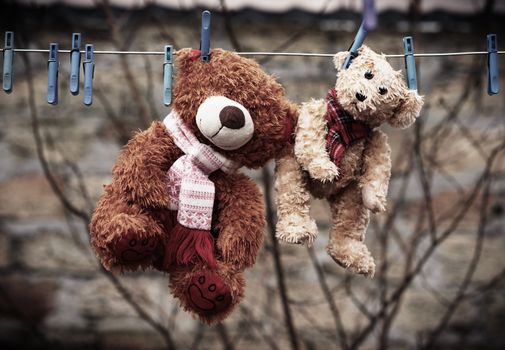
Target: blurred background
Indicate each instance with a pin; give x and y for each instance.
(439, 247)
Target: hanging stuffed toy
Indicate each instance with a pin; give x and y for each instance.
(342, 156)
(177, 201)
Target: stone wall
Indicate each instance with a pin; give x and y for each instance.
(52, 290)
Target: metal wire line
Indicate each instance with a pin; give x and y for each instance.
(259, 53)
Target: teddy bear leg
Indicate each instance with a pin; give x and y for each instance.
(347, 233)
(294, 224)
(125, 237)
(210, 294)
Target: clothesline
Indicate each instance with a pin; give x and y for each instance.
(260, 53)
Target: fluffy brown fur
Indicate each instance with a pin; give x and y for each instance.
(244, 81)
(360, 183)
(131, 223)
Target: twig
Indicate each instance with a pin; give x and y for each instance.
(150, 87)
(342, 336)
(198, 337)
(40, 148)
(409, 277)
(225, 339)
(279, 270)
(500, 276)
(123, 134)
(163, 331)
(358, 303)
(132, 83)
(425, 181)
(469, 273)
(298, 34)
(228, 27)
(259, 327)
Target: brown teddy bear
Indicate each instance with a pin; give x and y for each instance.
(342, 156)
(176, 201)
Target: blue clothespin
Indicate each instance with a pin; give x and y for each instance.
(356, 44)
(410, 63)
(205, 37)
(8, 55)
(52, 74)
(75, 63)
(369, 15)
(493, 80)
(167, 75)
(89, 72)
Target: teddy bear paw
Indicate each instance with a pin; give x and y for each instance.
(353, 255)
(373, 200)
(323, 170)
(295, 229)
(208, 294)
(131, 246)
(131, 249)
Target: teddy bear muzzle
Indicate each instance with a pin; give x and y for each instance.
(224, 122)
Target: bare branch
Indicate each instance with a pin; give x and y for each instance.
(131, 81)
(279, 270)
(342, 336)
(469, 273)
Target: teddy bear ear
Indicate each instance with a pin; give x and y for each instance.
(365, 50)
(339, 58)
(407, 111)
(186, 58)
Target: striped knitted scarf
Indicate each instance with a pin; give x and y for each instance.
(191, 194)
(343, 130)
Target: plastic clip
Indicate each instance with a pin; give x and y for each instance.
(167, 75)
(52, 74)
(369, 15)
(89, 72)
(8, 56)
(410, 62)
(493, 80)
(356, 44)
(205, 37)
(75, 63)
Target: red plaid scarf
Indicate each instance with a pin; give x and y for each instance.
(343, 130)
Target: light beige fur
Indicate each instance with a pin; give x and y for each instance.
(360, 183)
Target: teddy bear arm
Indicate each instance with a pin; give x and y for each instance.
(376, 171)
(140, 172)
(241, 219)
(310, 142)
(294, 224)
(117, 226)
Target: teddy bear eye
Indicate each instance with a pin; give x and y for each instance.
(369, 74)
(383, 90)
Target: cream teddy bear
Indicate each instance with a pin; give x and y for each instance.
(340, 154)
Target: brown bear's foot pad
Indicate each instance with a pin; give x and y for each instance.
(135, 241)
(134, 250)
(208, 294)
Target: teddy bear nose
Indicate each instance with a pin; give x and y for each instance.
(360, 97)
(232, 117)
